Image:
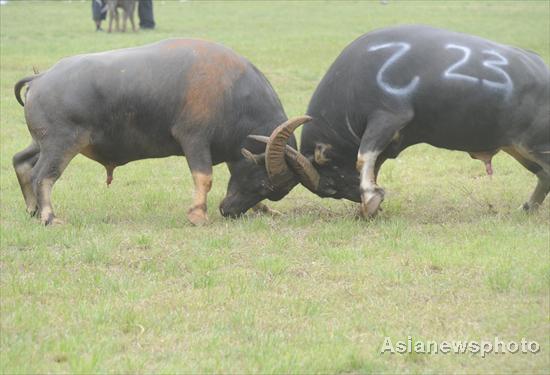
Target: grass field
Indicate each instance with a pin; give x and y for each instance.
(127, 285)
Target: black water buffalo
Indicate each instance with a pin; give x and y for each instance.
(396, 87)
(175, 97)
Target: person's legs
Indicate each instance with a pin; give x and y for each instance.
(145, 13)
(98, 13)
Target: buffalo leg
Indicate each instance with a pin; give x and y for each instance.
(197, 213)
(51, 164)
(543, 183)
(200, 164)
(124, 20)
(117, 27)
(539, 194)
(111, 15)
(131, 16)
(380, 131)
(23, 163)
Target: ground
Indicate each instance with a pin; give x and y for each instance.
(127, 285)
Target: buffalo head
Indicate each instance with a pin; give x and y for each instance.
(320, 169)
(270, 174)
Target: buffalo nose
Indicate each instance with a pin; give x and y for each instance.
(227, 211)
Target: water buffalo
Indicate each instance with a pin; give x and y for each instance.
(399, 86)
(175, 97)
(127, 6)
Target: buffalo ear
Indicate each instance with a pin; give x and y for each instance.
(321, 157)
(258, 159)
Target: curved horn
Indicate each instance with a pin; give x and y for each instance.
(258, 159)
(306, 172)
(298, 163)
(276, 150)
(259, 138)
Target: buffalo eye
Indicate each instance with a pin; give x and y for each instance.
(321, 150)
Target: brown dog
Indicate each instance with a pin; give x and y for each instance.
(127, 6)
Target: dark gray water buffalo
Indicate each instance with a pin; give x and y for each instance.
(175, 97)
(127, 6)
(396, 87)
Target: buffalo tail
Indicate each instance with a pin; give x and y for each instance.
(20, 84)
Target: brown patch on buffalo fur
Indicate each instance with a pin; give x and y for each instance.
(212, 74)
(320, 153)
(359, 164)
(203, 184)
(197, 212)
(177, 43)
(89, 152)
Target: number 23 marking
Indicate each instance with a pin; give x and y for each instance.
(507, 85)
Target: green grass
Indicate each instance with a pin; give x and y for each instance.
(127, 285)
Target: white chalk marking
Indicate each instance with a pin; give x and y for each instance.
(507, 85)
(495, 64)
(450, 72)
(399, 91)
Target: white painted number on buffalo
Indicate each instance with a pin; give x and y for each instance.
(495, 62)
(450, 72)
(403, 48)
(507, 85)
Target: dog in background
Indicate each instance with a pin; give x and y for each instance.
(128, 7)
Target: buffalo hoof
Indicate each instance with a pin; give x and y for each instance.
(197, 216)
(51, 220)
(32, 211)
(529, 207)
(263, 209)
(371, 202)
(272, 212)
